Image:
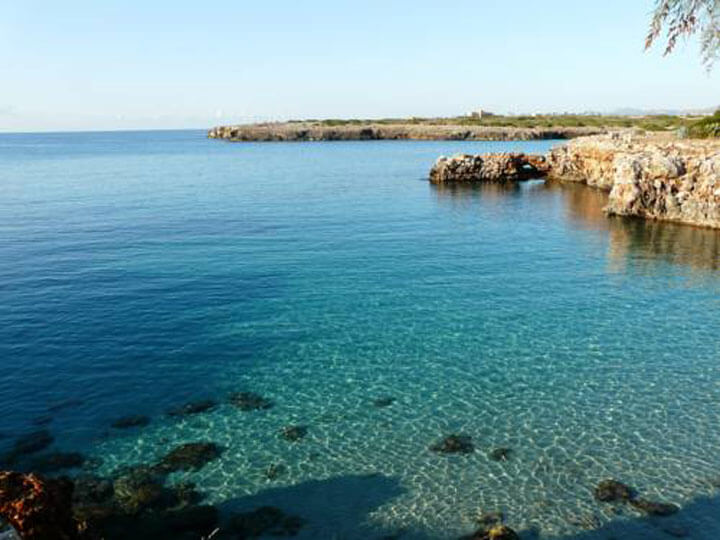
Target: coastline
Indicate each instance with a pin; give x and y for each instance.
(650, 176)
(369, 131)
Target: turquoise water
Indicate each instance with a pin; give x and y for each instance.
(139, 271)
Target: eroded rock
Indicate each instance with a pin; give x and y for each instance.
(293, 433)
(193, 407)
(503, 167)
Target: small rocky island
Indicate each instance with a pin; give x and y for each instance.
(657, 177)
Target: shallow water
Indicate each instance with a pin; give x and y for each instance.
(142, 270)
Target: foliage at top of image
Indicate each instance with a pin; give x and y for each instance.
(684, 18)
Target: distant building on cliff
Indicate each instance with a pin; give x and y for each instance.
(480, 113)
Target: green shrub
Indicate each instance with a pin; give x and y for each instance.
(706, 128)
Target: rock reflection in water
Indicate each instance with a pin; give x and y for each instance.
(639, 242)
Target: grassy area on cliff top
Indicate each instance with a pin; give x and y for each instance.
(660, 122)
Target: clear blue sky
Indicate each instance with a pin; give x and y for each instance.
(105, 64)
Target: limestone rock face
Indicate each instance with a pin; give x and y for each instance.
(504, 167)
(651, 177)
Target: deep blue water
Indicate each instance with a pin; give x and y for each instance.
(142, 270)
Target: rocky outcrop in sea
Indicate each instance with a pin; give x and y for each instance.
(504, 167)
(657, 177)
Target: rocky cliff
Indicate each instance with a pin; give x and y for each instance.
(317, 131)
(652, 177)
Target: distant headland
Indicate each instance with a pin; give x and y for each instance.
(476, 126)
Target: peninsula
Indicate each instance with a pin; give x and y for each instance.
(470, 128)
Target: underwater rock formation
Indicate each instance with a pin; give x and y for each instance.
(293, 433)
(503, 167)
(454, 444)
(189, 457)
(137, 420)
(648, 176)
(30, 444)
(57, 461)
(37, 508)
(250, 401)
(653, 508)
(193, 407)
(613, 491)
(384, 401)
(495, 532)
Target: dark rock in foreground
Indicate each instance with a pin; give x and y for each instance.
(454, 444)
(504, 167)
(250, 401)
(36, 507)
(613, 491)
(126, 422)
(265, 521)
(189, 457)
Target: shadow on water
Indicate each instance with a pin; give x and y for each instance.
(338, 507)
(698, 520)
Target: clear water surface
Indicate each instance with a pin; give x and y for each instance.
(142, 270)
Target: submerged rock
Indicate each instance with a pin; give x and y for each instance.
(293, 433)
(654, 508)
(263, 521)
(138, 489)
(495, 532)
(193, 407)
(36, 507)
(613, 491)
(488, 519)
(454, 444)
(250, 401)
(32, 443)
(500, 454)
(189, 457)
(384, 401)
(57, 461)
(275, 470)
(137, 420)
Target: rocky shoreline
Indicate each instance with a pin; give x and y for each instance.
(317, 131)
(654, 177)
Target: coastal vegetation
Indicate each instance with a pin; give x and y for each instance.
(683, 18)
(708, 127)
(650, 122)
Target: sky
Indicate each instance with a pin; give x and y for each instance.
(146, 64)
